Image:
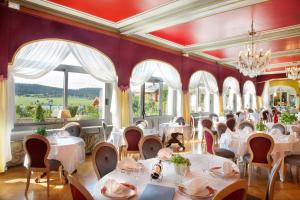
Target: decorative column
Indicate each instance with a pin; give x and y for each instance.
(221, 103)
(259, 103)
(186, 107)
(124, 103)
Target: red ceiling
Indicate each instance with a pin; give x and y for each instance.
(277, 45)
(112, 10)
(268, 15)
(285, 59)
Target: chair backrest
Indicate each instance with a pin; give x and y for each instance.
(234, 191)
(230, 123)
(250, 110)
(244, 124)
(221, 128)
(206, 123)
(238, 113)
(179, 120)
(142, 123)
(37, 148)
(272, 179)
(280, 127)
(73, 128)
(229, 115)
(209, 140)
(132, 136)
(149, 146)
(104, 158)
(260, 146)
(213, 116)
(79, 192)
(266, 115)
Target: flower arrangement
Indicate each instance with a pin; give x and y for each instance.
(260, 126)
(41, 131)
(288, 118)
(179, 160)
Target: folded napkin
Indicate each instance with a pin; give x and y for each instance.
(165, 154)
(228, 169)
(115, 188)
(196, 186)
(52, 139)
(129, 164)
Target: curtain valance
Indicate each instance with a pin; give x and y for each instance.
(205, 79)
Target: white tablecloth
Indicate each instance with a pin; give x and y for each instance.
(283, 145)
(117, 139)
(69, 150)
(199, 167)
(168, 128)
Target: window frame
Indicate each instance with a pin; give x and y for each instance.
(66, 69)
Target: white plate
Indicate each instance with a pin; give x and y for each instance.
(131, 193)
(209, 192)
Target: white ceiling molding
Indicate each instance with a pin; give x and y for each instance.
(69, 11)
(191, 11)
(284, 64)
(276, 54)
(274, 34)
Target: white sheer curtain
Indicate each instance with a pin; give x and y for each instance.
(231, 87)
(170, 104)
(249, 92)
(206, 80)
(145, 70)
(265, 95)
(100, 67)
(38, 58)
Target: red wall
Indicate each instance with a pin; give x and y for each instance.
(18, 28)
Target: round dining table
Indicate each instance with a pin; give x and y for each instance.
(200, 165)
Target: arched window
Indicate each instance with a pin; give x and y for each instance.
(53, 75)
(231, 95)
(204, 93)
(249, 94)
(154, 85)
(282, 96)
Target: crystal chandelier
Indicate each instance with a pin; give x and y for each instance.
(252, 62)
(293, 72)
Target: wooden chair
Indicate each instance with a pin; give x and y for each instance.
(37, 149)
(132, 136)
(104, 158)
(207, 123)
(209, 139)
(246, 123)
(230, 123)
(179, 120)
(294, 162)
(235, 191)
(266, 116)
(192, 123)
(73, 128)
(229, 115)
(149, 146)
(213, 117)
(280, 127)
(79, 192)
(221, 128)
(260, 146)
(272, 179)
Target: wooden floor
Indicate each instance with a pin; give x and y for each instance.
(12, 184)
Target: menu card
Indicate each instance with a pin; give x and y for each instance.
(157, 192)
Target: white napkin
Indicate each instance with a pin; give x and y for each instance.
(115, 188)
(52, 139)
(228, 169)
(165, 153)
(196, 186)
(129, 164)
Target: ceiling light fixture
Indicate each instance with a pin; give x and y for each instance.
(293, 72)
(252, 62)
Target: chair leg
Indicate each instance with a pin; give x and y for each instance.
(28, 181)
(48, 174)
(249, 174)
(245, 169)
